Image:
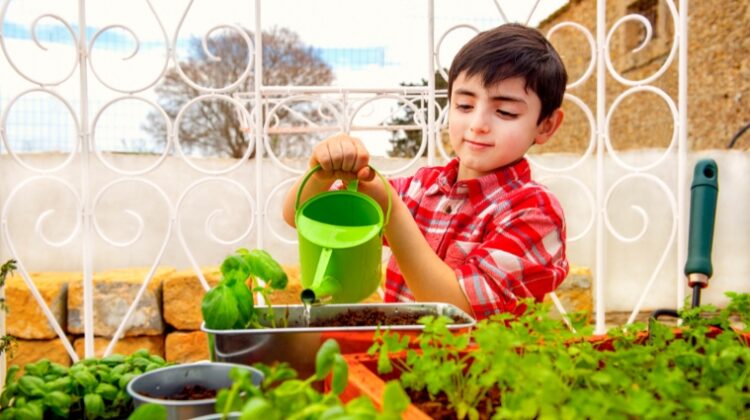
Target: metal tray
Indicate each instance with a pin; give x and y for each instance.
(297, 344)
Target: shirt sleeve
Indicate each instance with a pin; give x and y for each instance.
(400, 185)
(521, 256)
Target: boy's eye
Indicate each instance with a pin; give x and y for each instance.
(506, 113)
(463, 106)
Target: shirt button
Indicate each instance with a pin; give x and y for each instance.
(448, 209)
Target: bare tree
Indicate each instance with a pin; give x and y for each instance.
(213, 126)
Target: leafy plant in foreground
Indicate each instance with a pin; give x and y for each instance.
(534, 367)
(283, 396)
(91, 388)
(229, 305)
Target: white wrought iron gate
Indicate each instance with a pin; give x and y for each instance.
(267, 110)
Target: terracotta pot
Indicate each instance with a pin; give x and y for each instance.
(365, 381)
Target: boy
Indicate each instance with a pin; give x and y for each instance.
(478, 232)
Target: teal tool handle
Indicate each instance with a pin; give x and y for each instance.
(351, 186)
(703, 193)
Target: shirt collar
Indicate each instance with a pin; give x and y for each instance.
(503, 179)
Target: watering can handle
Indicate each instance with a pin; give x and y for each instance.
(317, 167)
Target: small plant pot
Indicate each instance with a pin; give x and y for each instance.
(167, 381)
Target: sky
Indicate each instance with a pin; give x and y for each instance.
(371, 44)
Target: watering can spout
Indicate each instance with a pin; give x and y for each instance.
(321, 291)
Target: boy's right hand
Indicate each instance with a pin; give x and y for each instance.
(342, 157)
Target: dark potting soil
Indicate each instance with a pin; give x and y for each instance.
(438, 408)
(188, 393)
(369, 317)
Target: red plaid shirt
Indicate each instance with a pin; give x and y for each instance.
(503, 234)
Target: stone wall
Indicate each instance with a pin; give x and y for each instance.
(166, 321)
(718, 74)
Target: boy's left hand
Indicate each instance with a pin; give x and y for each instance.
(342, 157)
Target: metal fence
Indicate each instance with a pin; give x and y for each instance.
(269, 112)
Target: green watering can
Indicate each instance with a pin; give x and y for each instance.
(340, 237)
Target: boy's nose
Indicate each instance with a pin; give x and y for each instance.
(479, 125)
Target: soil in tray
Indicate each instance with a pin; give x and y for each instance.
(370, 317)
(438, 407)
(188, 393)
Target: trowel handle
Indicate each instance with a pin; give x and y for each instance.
(351, 186)
(703, 194)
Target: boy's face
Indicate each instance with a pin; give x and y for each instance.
(495, 126)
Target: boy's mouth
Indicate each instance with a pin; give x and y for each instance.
(476, 144)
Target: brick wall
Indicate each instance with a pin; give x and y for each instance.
(718, 75)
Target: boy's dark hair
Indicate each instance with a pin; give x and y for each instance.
(512, 50)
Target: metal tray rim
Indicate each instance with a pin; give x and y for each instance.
(413, 327)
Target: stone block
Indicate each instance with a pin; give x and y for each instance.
(186, 347)
(25, 318)
(114, 291)
(31, 351)
(154, 344)
(575, 293)
(183, 293)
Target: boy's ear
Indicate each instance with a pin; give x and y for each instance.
(548, 126)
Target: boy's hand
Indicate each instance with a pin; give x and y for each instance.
(342, 157)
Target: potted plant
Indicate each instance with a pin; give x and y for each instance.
(188, 390)
(281, 395)
(533, 367)
(90, 388)
(240, 332)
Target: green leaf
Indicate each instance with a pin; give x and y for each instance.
(93, 405)
(107, 391)
(125, 379)
(220, 309)
(30, 411)
(258, 408)
(85, 379)
(114, 359)
(235, 267)
(60, 384)
(244, 298)
(325, 357)
(395, 399)
(263, 265)
(384, 362)
(340, 374)
(38, 369)
(360, 406)
(149, 411)
(59, 402)
(9, 392)
(31, 386)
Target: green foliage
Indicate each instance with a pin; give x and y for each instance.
(90, 389)
(7, 341)
(149, 412)
(282, 395)
(540, 369)
(229, 305)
